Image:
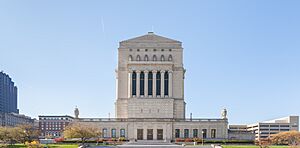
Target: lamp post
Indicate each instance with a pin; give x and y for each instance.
(202, 137)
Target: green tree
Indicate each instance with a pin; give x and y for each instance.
(30, 133)
(11, 135)
(83, 131)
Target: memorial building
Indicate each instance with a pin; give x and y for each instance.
(150, 102)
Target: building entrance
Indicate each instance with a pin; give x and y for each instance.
(140, 134)
(149, 134)
(160, 134)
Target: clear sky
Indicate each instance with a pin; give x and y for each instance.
(242, 55)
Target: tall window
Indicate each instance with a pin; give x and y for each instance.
(150, 83)
(104, 131)
(213, 133)
(166, 83)
(195, 133)
(122, 132)
(186, 133)
(158, 77)
(113, 133)
(204, 133)
(177, 133)
(142, 83)
(134, 83)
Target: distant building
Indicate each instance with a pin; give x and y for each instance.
(240, 132)
(267, 128)
(13, 119)
(8, 94)
(53, 126)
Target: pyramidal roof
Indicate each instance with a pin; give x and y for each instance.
(150, 38)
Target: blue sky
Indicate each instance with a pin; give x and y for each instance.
(242, 55)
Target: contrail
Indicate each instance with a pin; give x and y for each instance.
(102, 24)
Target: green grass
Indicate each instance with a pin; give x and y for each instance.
(250, 146)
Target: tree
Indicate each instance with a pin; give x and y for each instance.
(82, 131)
(30, 133)
(291, 138)
(11, 135)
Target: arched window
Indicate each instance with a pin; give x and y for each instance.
(162, 58)
(104, 131)
(150, 83)
(138, 58)
(170, 58)
(130, 58)
(154, 58)
(146, 58)
(158, 78)
(113, 133)
(134, 83)
(166, 84)
(142, 83)
(122, 132)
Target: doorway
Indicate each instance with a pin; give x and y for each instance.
(149, 134)
(160, 133)
(140, 134)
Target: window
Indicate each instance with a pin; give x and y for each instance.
(158, 83)
(186, 133)
(154, 58)
(170, 58)
(130, 58)
(204, 133)
(213, 133)
(122, 133)
(134, 83)
(195, 133)
(146, 58)
(166, 84)
(177, 133)
(162, 58)
(138, 58)
(104, 131)
(150, 83)
(142, 83)
(113, 133)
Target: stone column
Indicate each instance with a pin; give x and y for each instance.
(170, 84)
(146, 83)
(129, 84)
(138, 83)
(154, 83)
(162, 82)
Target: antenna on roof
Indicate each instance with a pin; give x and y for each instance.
(152, 29)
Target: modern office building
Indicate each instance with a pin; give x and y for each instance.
(265, 129)
(150, 102)
(8, 94)
(53, 126)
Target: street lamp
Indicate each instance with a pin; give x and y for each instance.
(202, 137)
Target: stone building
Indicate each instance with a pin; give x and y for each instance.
(150, 95)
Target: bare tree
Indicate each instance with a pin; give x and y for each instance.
(291, 138)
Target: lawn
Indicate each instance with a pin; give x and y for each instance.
(250, 146)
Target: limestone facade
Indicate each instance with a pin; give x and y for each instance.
(150, 95)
